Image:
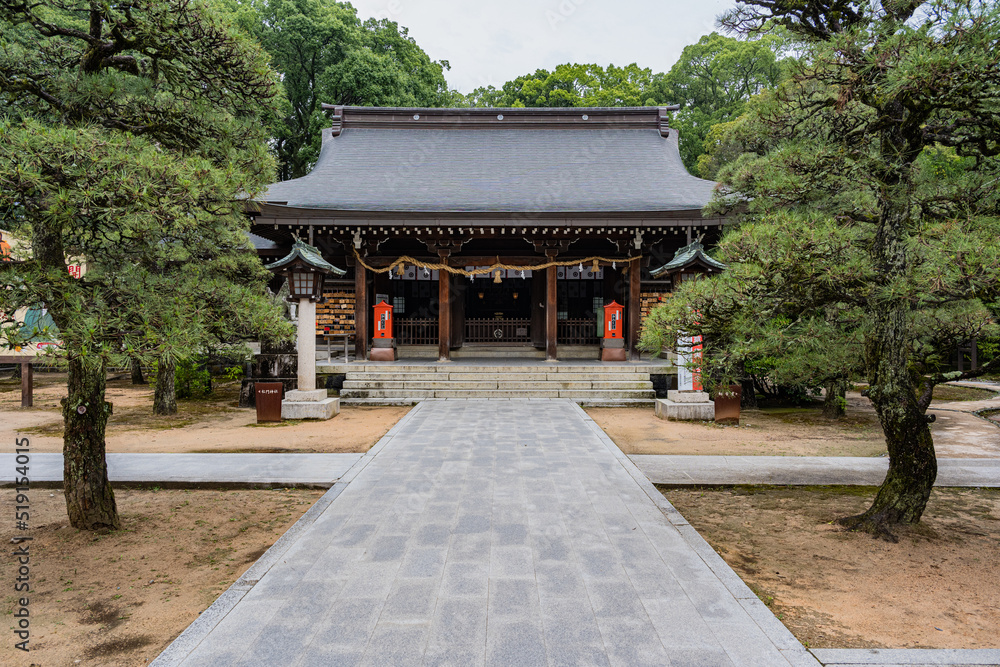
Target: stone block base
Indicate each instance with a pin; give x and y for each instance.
(383, 354)
(300, 395)
(612, 354)
(667, 409)
(687, 396)
(325, 409)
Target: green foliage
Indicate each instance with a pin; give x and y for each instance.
(192, 378)
(129, 156)
(573, 85)
(325, 54)
(865, 187)
(712, 81)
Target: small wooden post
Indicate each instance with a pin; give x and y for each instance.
(444, 310)
(551, 314)
(27, 385)
(360, 313)
(634, 312)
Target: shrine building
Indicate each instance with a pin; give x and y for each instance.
(489, 229)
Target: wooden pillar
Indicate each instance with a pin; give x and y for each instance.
(551, 314)
(444, 310)
(360, 313)
(27, 385)
(634, 313)
(975, 354)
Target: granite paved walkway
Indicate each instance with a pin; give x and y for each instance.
(490, 532)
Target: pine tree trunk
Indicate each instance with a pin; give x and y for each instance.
(137, 377)
(90, 501)
(748, 397)
(165, 395)
(835, 401)
(903, 495)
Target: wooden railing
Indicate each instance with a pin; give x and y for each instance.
(577, 332)
(416, 331)
(498, 332)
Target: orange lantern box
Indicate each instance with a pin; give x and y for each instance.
(383, 344)
(613, 342)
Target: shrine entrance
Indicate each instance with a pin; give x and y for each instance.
(499, 313)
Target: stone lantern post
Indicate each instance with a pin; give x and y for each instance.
(305, 269)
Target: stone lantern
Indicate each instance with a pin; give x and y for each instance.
(305, 269)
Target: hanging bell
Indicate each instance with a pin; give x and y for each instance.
(596, 267)
(496, 277)
(400, 269)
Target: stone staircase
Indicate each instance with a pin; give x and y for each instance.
(587, 384)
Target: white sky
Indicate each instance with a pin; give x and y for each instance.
(490, 42)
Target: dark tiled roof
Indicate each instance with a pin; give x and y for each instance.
(260, 243)
(685, 257)
(513, 168)
(308, 254)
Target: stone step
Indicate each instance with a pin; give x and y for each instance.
(586, 402)
(536, 374)
(388, 367)
(575, 394)
(407, 384)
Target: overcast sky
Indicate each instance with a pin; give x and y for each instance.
(492, 41)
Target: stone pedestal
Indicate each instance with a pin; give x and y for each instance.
(309, 404)
(383, 349)
(307, 345)
(613, 349)
(685, 406)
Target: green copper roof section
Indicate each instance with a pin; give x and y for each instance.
(687, 256)
(308, 254)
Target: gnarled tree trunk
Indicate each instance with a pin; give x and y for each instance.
(835, 401)
(165, 395)
(137, 377)
(90, 502)
(903, 495)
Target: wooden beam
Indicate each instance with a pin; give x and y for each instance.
(551, 313)
(634, 313)
(360, 313)
(444, 310)
(27, 385)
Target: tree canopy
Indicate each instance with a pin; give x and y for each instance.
(868, 213)
(326, 54)
(712, 81)
(572, 85)
(132, 132)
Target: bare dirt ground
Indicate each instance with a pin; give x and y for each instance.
(770, 432)
(938, 587)
(120, 598)
(802, 431)
(213, 424)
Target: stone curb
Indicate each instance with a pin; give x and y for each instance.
(908, 657)
(179, 649)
